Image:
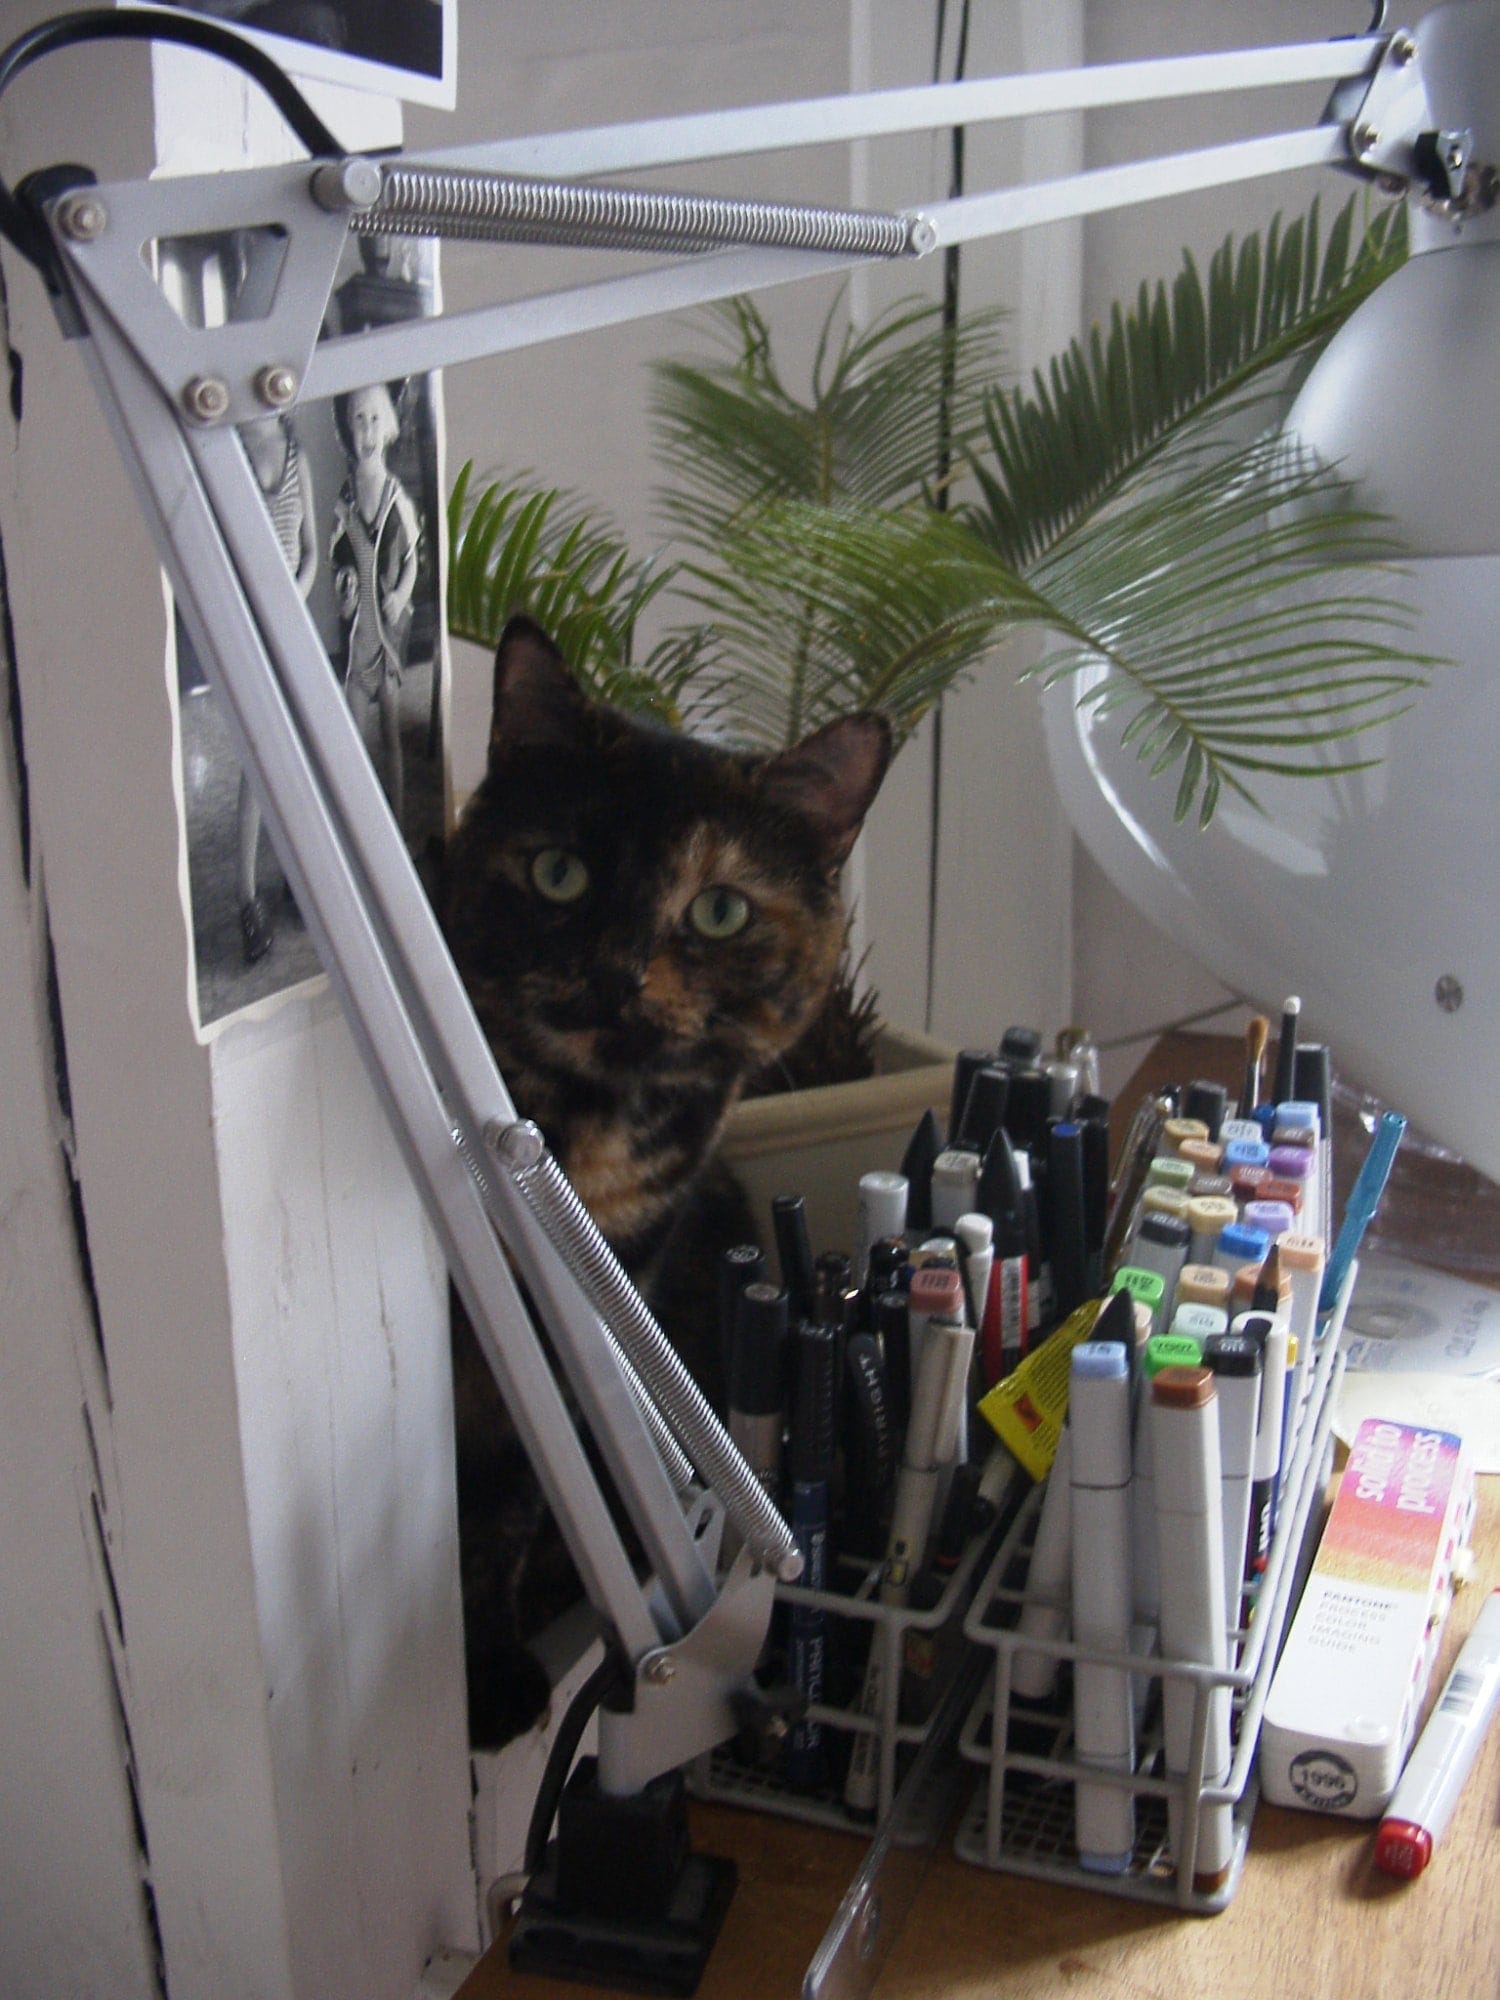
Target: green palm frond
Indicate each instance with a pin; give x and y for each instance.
(818, 611)
(1064, 445)
(518, 548)
(1235, 617)
(882, 404)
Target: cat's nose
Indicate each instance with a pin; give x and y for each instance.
(615, 985)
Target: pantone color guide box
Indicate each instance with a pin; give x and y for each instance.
(1348, 1688)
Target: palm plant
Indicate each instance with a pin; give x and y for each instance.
(1134, 502)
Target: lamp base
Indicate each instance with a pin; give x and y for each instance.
(619, 1899)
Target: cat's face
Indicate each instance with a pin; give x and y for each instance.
(625, 902)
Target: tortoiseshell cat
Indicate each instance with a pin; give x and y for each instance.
(642, 920)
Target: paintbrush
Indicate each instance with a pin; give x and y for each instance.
(1257, 1030)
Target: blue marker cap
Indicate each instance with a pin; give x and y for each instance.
(1246, 1153)
(1242, 1244)
(1297, 1115)
(1100, 1360)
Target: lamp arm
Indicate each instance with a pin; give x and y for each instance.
(173, 394)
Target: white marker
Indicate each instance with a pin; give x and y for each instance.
(1271, 1332)
(977, 1235)
(1190, 1553)
(881, 1212)
(1103, 1723)
(1428, 1790)
(955, 1181)
(1044, 1615)
(1236, 1364)
(1302, 1261)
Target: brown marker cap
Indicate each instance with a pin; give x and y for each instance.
(1183, 1388)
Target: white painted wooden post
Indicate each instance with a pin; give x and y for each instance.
(273, 1446)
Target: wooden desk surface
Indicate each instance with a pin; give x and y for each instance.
(1312, 1915)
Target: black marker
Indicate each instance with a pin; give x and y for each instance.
(794, 1249)
(757, 1380)
(984, 1108)
(891, 1317)
(740, 1265)
(1286, 1052)
(966, 1066)
(1020, 1048)
(1208, 1101)
(922, 1149)
(869, 1449)
(810, 1464)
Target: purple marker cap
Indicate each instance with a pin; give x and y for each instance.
(1272, 1218)
(1290, 1163)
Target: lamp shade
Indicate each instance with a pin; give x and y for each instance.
(1374, 895)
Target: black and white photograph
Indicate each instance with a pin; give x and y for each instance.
(404, 48)
(352, 487)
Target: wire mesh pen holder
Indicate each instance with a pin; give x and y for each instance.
(1021, 1817)
(915, 1652)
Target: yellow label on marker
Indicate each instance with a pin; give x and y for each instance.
(1026, 1410)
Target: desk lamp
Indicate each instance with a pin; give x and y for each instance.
(681, 1643)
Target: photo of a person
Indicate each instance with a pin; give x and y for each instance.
(285, 480)
(376, 535)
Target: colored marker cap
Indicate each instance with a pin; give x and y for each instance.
(1243, 1245)
(1402, 1848)
(1246, 1153)
(1171, 1350)
(1147, 1286)
(1183, 1388)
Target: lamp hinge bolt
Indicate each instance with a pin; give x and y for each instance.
(206, 399)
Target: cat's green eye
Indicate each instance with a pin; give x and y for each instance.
(558, 875)
(719, 912)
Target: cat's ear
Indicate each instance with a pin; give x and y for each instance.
(830, 779)
(536, 700)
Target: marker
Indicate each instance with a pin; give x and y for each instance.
(1270, 1332)
(740, 1265)
(1246, 1153)
(869, 1438)
(922, 1148)
(1147, 1288)
(1237, 1366)
(1069, 1245)
(1005, 1326)
(1103, 1722)
(890, 1316)
(1286, 1051)
(1167, 1170)
(1190, 1551)
(1203, 1285)
(757, 1380)
(1209, 1215)
(955, 1177)
(880, 1212)
(1364, 1199)
(984, 1108)
(1302, 1260)
(966, 1066)
(1020, 1047)
(1271, 1218)
(1045, 1609)
(939, 1393)
(1160, 1243)
(1028, 1105)
(1062, 1085)
(810, 1464)
(1209, 1101)
(976, 1240)
(1238, 1245)
(1314, 1085)
(1163, 1350)
(1418, 1814)
(1176, 1130)
(1163, 1201)
(794, 1251)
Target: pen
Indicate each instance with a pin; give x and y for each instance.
(1269, 1331)
(938, 1395)
(869, 1449)
(810, 1465)
(1286, 1051)
(740, 1265)
(1364, 1199)
(890, 1314)
(1065, 1204)
(1428, 1789)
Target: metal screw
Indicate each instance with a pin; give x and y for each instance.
(338, 185)
(1449, 993)
(277, 385)
(82, 217)
(519, 1145)
(921, 236)
(206, 399)
(1402, 50)
(1364, 139)
(658, 1669)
